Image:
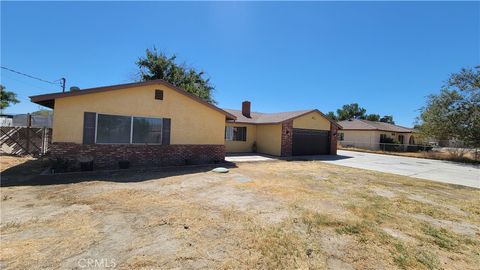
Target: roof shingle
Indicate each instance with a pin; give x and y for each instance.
(359, 124)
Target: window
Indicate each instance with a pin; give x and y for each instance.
(235, 133)
(147, 130)
(113, 128)
(383, 137)
(341, 136)
(128, 129)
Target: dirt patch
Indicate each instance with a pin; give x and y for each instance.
(384, 193)
(456, 226)
(397, 234)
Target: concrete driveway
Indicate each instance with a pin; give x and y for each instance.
(436, 170)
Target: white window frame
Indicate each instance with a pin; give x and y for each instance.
(229, 133)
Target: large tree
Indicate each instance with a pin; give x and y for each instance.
(156, 65)
(351, 111)
(7, 98)
(454, 113)
(332, 116)
(373, 117)
(387, 119)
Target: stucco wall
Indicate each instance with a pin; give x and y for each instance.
(269, 139)
(242, 146)
(313, 120)
(368, 139)
(191, 121)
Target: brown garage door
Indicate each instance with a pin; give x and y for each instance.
(310, 142)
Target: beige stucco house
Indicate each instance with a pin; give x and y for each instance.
(156, 123)
(368, 134)
(306, 132)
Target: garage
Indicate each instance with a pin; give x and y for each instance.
(310, 142)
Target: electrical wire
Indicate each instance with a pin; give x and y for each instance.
(56, 82)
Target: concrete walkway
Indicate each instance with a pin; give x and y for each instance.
(249, 157)
(436, 170)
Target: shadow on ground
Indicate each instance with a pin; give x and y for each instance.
(28, 174)
(317, 158)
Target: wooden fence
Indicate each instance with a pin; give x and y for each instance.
(25, 140)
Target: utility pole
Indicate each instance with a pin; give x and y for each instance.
(63, 84)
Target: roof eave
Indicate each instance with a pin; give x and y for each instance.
(49, 99)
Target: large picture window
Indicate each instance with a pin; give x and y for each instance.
(128, 129)
(147, 130)
(113, 128)
(235, 133)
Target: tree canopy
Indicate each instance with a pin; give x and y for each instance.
(454, 113)
(351, 111)
(7, 98)
(156, 65)
(354, 111)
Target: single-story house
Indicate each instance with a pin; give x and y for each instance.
(306, 132)
(366, 134)
(156, 123)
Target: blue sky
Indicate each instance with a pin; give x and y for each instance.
(279, 55)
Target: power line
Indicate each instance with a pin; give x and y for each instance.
(56, 82)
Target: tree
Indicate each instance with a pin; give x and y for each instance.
(455, 112)
(331, 116)
(387, 119)
(373, 117)
(157, 65)
(351, 111)
(7, 98)
(43, 112)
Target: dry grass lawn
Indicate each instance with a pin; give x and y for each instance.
(272, 215)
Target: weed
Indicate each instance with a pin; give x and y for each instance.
(441, 237)
(427, 258)
(315, 220)
(350, 229)
(11, 225)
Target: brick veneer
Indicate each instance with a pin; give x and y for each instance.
(333, 139)
(107, 155)
(287, 138)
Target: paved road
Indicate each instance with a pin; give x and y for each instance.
(436, 170)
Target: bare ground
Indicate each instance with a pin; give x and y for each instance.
(271, 215)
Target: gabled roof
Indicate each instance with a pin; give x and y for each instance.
(272, 118)
(359, 124)
(48, 100)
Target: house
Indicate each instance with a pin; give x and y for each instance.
(306, 132)
(6, 120)
(366, 134)
(156, 123)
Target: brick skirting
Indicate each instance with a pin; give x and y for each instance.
(108, 155)
(287, 138)
(333, 139)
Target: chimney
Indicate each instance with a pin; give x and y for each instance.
(246, 108)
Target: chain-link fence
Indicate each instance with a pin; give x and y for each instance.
(453, 152)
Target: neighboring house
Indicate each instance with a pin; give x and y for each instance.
(156, 123)
(306, 132)
(6, 120)
(368, 134)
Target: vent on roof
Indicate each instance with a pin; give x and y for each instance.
(74, 88)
